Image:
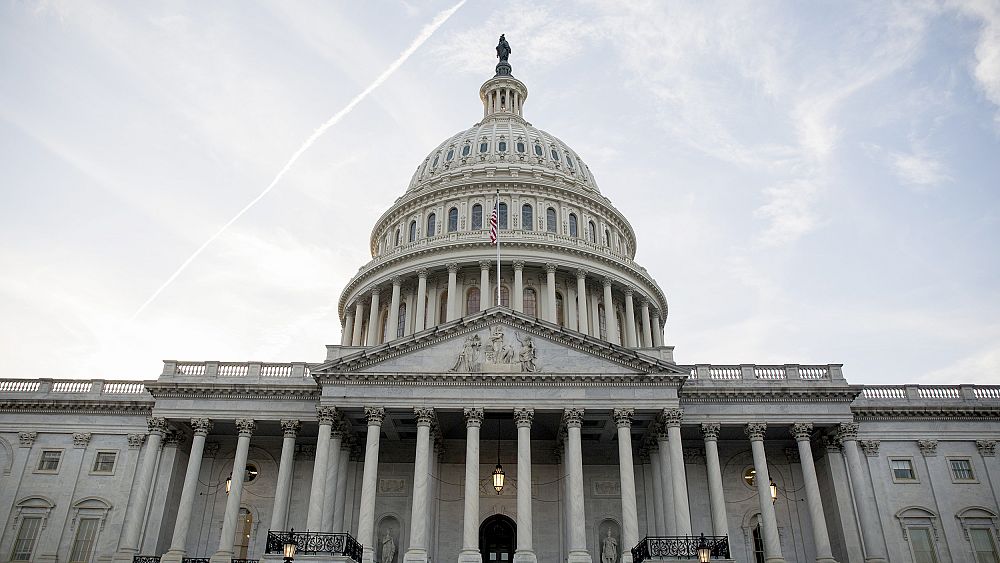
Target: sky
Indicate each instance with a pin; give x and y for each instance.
(809, 182)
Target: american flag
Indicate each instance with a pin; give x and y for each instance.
(494, 219)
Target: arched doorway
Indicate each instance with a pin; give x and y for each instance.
(497, 539)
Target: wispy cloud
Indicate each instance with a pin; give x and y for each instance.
(987, 54)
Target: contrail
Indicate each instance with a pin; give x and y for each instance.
(424, 35)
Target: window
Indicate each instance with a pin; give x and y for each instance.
(502, 146)
(466, 150)
(398, 240)
(550, 220)
(452, 219)
(401, 321)
(922, 545)
(538, 150)
(520, 146)
(602, 322)
(450, 155)
(443, 308)
(472, 301)
(569, 161)
(49, 460)
(530, 307)
(431, 225)
(484, 146)
(477, 217)
(758, 545)
(502, 215)
(983, 545)
(413, 231)
(504, 296)
(902, 470)
(559, 310)
(593, 232)
(555, 155)
(607, 237)
(527, 218)
(573, 229)
(435, 163)
(104, 462)
(83, 542)
(24, 544)
(961, 470)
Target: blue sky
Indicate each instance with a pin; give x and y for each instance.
(809, 182)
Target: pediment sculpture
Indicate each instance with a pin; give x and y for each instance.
(498, 356)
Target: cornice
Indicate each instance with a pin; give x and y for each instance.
(500, 380)
(945, 412)
(81, 407)
(767, 393)
(227, 390)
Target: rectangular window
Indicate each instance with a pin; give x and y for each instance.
(83, 543)
(961, 470)
(902, 470)
(26, 536)
(49, 461)
(922, 545)
(983, 545)
(104, 462)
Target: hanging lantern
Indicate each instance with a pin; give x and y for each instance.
(774, 492)
(290, 546)
(498, 477)
(229, 483)
(704, 552)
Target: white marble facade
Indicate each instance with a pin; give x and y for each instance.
(393, 437)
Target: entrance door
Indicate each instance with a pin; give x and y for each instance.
(497, 539)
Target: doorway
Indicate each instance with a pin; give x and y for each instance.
(497, 539)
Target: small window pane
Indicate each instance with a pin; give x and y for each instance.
(569, 161)
(504, 296)
(451, 155)
(24, 544)
(484, 146)
(435, 163)
(573, 228)
(538, 150)
(983, 545)
(502, 146)
(401, 321)
(472, 301)
(961, 469)
(83, 543)
(593, 232)
(104, 462)
(502, 219)
(49, 460)
(520, 146)
(550, 220)
(923, 545)
(527, 218)
(530, 308)
(477, 217)
(413, 231)
(431, 225)
(466, 150)
(555, 155)
(452, 220)
(902, 469)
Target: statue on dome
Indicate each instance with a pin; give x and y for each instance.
(503, 49)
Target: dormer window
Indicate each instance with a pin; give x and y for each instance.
(538, 150)
(435, 163)
(502, 146)
(466, 150)
(484, 146)
(569, 161)
(451, 155)
(520, 146)
(555, 155)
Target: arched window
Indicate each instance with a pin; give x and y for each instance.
(527, 218)
(472, 301)
(401, 321)
(451, 155)
(452, 219)
(466, 149)
(538, 150)
(550, 220)
(758, 545)
(477, 217)
(502, 216)
(504, 296)
(443, 308)
(431, 225)
(413, 231)
(397, 237)
(593, 232)
(602, 322)
(560, 317)
(607, 237)
(573, 229)
(382, 324)
(530, 303)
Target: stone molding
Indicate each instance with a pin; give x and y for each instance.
(673, 417)
(83, 406)
(928, 448)
(801, 431)
(374, 415)
(473, 417)
(156, 425)
(847, 431)
(425, 416)
(81, 439)
(710, 431)
(201, 426)
(870, 447)
(935, 413)
(763, 392)
(326, 415)
(573, 417)
(987, 448)
(290, 427)
(135, 441)
(755, 431)
(245, 426)
(26, 439)
(623, 417)
(523, 416)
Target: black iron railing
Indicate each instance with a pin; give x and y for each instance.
(312, 543)
(195, 560)
(145, 559)
(245, 560)
(679, 547)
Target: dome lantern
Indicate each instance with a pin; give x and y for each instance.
(503, 95)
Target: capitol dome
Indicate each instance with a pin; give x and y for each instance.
(566, 253)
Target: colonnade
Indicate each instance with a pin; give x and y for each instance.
(584, 305)
(668, 498)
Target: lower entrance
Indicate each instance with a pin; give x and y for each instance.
(497, 539)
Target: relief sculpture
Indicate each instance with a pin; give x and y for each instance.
(499, 356)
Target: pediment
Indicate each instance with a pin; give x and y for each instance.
(499, 341)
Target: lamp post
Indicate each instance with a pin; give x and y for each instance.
(774, 492)
(229, 483)
(498, 474)
(704, 552)
(288, 550)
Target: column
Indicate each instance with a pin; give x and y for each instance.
(802, 432)
(550, 293)
(418, 510)
(332, 475)
(716, 498)
(339, 505)
(525, 552)
(609, 312)
(454, 301)
(631, 338)
(369, 478)
(487, 298)
(647, 334)
(657, 330)
(359, 311)
(578, 521)
(762, 479)
(283, 489)
(871, 526)
(659, 508)
(201, 428)
(581, 301)
(517, 297)
(135, 515)
(470, 518)
(373, 319)
(421, 300)
(245, 427)
(630, 514)
(669, 512)
(392, 323)
(682, 512)
(317, 491)
(348, 332)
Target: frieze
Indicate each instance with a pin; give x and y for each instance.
(392, 486)
(79, 407)
(498, 356)
(607, 489)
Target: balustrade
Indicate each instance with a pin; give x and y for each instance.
(679, 547)
(312, 543)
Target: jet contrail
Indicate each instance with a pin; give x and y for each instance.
(424, 35)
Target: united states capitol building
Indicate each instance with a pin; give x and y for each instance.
(532, 416)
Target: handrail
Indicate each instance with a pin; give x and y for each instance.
(679, 546)
(312, 543)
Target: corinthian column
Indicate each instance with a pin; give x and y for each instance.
(578, 522)
(357, 335)
(340, 503)
(454, 301)
(581, 301)
(245, 426)
(392, 323)
(631, 338)
(345, 338)
(802, 432)
(135, 513)
(525, 552)
(369, 478)
(201, 427)
(550, 293)
(418, 322)
(486, 297)
(609, 314)
(647, 334)
(762, 479)
(716, 499)
(332, 465)
(657, 330)
(630, 516)
(470, 518)
(517, 299)
(871, 528)
(373, 319)
(283, 489)
(317, 492)
(418, 511)
(682, 515)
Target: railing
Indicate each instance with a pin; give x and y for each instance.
(72, 386)
(679, 547)
(312, 543)
(145, 559)
(196, 560)
(236, 369)
(244, 560)
(752, 372)
(931, 392)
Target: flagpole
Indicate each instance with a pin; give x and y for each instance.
(497, 208)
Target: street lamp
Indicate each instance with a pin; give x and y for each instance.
(290, 546)
(704, 552)
(774, 492)
(498, 474)
(229, 483)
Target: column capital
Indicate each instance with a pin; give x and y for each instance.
(374, 415)
(928, 448)
(290, 427)
(847, 431)
(673, 417)
(643, 303)
(326, 415)
(518, 265)
(710, 431)
(397, 281)
(870, 447)
(485, 264)
(629, 290)
(173, 439)
(134, 440)
(422, 273)
(581, 273)
(374, 290)
(81, 439)
(623, 417)
(246, 426)
(473, 417)
(523, 416)
(425, 415)
(452, 267)
(607, 282)
(573, 417)
(201, 426)
(801, 431)
(550, 268)
(755, 431)
(156, 425)
(987, 448)
(28, 438)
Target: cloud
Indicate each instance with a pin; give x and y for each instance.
(987, 54)
(920, 170)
